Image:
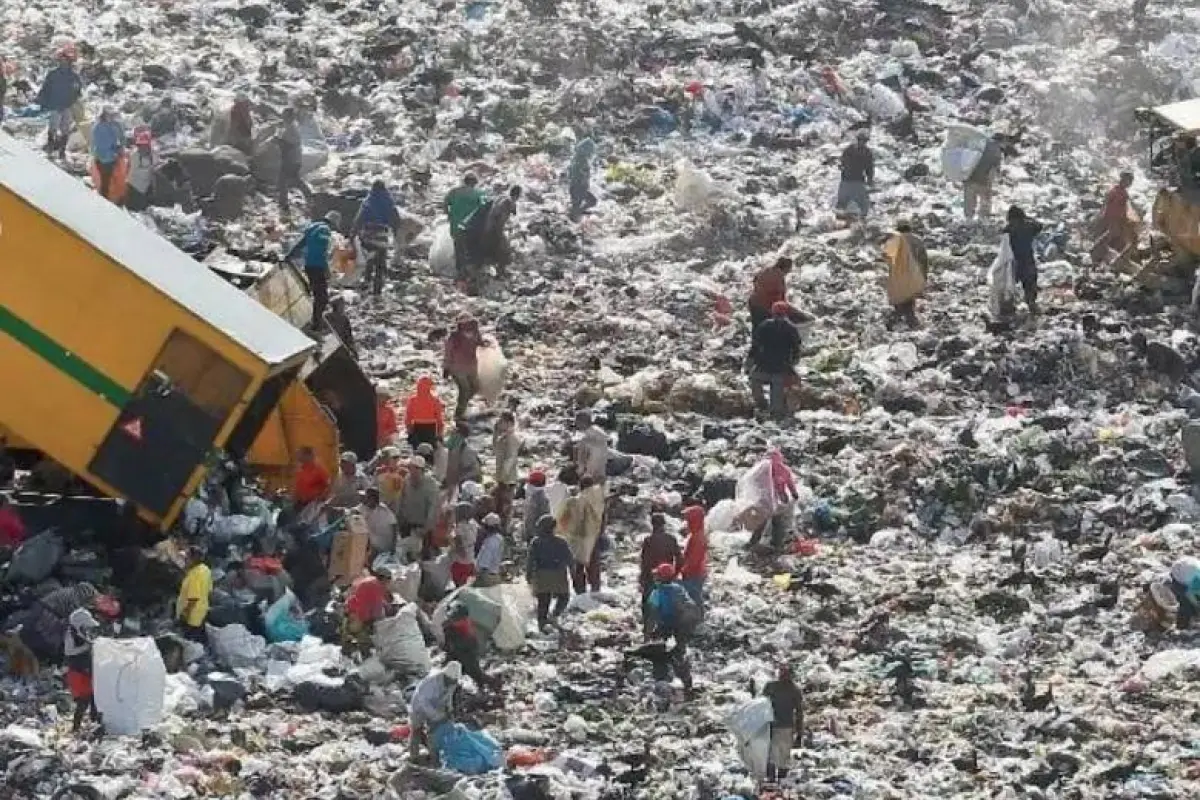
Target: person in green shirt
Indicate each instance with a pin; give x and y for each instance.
(462, 202)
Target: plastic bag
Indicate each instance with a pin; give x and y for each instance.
(1000, 279)
(36, 558)
(694, 190)
(756, 490)
(129, 680)
(483, 611)
(441, 253)
(962, 151)
(751, 725)
(463, 750)
(235, 647)
(883, 103)
(492, 371)
(281, 624)
(399, 643)
(513, 600)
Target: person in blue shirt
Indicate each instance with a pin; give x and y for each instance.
(108, 145)
(60, 90)
(671, 613)
(315, 244)
(377, 215)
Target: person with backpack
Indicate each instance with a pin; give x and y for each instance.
(316, 245)
(660, 547)
(378, 216)
(672, 614)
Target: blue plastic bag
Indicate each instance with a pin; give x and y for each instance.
(463, 750)
(280, 624)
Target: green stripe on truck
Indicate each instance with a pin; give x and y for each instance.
(62, 359)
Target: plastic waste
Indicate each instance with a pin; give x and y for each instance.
(961, 151)
(235, 647)
(36, 558)
(694, 189)
(129, 684)
(441, 253)
(492, 371)
(399, 643)
(284, 620)
(464, 750)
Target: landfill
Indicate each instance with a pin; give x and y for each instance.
(980, 506)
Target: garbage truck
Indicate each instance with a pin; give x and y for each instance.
(1176, 213)
(331, 374)
(125, 361)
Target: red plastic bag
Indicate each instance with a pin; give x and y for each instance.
(521, 756)
(804, 547)
(401, 733)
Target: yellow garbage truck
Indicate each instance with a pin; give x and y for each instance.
(124, 360)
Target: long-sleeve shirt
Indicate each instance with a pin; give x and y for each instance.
(591, 454)
(507, 447)
(548, 552)
(775, 347)
(658, 548)
(61, 88)
(537, 505)
(490, 555)
(460, 357)
(694, 563)
(433, 700)
(418, 503)
(108, 141)
(858, 164)
(770, 287)
(315, 243)
(461, 203)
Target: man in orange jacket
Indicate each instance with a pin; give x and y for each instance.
(693, 567)
(424, 415)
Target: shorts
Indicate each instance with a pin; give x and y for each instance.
(79, 683)
(853, 193)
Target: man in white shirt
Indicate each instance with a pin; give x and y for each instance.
(591, 452)
(381, 523)
(347, 484)
(491, 552)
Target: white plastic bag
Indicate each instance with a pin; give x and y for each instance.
(399, 643)
(961, 151)
(441, 253)
(235, 647)
(756, 490)
(492, 371)
(1001, 281)
(751, 726)
(129, 680)
(514, 601)
(883, 103)
(694, 190)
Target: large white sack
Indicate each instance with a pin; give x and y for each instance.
(1002, 283)
(235, 647)
(756, 490)
(694, 190)
(129, 681)
(556, 495)
(515, 602)
(755, 752)
(962, 150)
(492, 371)
(751, 717)
(441, 253)
(883, 103)
(399, 643)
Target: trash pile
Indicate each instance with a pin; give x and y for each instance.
(975, 577)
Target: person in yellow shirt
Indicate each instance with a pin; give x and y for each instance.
(191, 608)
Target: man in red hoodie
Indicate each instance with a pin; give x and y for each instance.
(693, 568)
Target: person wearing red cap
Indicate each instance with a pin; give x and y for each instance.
(693, 567)
(537, 505)
(670, 613)
(142, 164)
(774, 351)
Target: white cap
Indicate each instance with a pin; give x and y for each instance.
(492, 520)
(453, 671)
(417, 462)
(82, 619)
